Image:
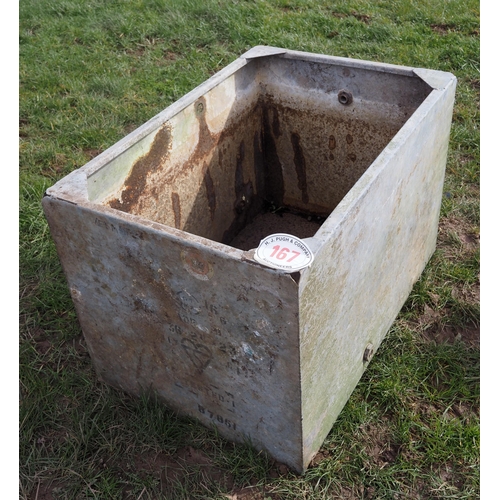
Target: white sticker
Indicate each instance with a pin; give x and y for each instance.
(284, 252)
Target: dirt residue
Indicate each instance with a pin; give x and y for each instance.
(300, 166)
(251, 493)
(381, 449)
(209, 186)
(176, 208)
(470, 335)
(442, 28)
(190, 465)
(269, 223)
(457, 236)
(275, 187)
(91, 153)
(365, 18)
(177, 468)
(47, 490)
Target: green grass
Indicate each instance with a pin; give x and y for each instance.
(91, 72)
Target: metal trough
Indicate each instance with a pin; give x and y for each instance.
(155, 236)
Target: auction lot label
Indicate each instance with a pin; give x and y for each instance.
(284, 252)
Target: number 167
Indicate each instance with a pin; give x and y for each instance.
(282, 253)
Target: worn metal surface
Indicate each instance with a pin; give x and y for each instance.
(147, 234)
(214, 336)
(375, 246)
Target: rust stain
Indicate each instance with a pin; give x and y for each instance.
(136, 181)
(258, 161)
(247, 203)
(343, 164)
(300, 165)
(243, 190)
(238, 175)
(213, 152)
(206, 140)
(275, 185)
(276, 123)
(195, 263)
(209, 187)
(250, 151)
(176, 207)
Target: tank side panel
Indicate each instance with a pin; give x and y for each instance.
(214, 336)
(377, 243)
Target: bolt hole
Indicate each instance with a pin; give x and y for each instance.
(368, 354)
(345, 97)
(200, 108)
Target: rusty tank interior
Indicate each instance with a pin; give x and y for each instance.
(273, 148)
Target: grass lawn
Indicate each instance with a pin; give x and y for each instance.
(92, 71)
